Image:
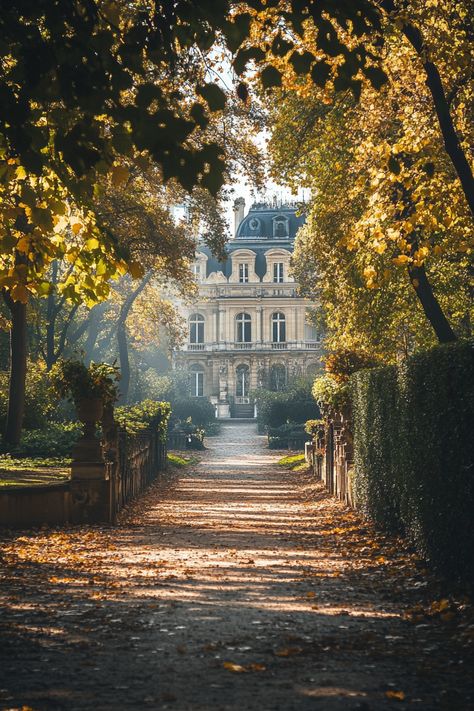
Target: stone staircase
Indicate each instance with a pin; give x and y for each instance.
(242, 412)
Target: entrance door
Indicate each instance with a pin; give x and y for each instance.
(242, 384)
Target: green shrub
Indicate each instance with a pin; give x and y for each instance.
(200, 410)
(40, 403)
(56, 439)
(148, 414)
(329, 394)
(414, 452)
(294, 404)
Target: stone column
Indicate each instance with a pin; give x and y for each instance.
(222, 326)
(258, 325)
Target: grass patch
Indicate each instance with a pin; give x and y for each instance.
(293, 462)
(177, 460)
(33, 471)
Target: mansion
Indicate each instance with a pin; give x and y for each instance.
(248, 326)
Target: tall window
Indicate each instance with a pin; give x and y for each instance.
(243, 381)
(196, 267)
(243, 273)
(311, 332)
(277, 377)
(278, 272)
(196, 381)
(278, 328)
(244, 328)
(196, 328)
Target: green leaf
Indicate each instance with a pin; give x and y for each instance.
(147, 93)
(44, 288)
(244, 56)
(301, 63)
(320, 73)
(376, 76)
(237, 31)
(213, 95)
(281, 46)
(328, 40)
(270, 77)
(198, 114)
(242, 91)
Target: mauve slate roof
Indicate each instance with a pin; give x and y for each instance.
(255, 232)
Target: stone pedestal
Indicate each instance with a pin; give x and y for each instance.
(223, 410)
(90, 480)
(91, 492)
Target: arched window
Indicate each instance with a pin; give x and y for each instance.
(196, 328)
(196, 380)
(243, 328)
(243, 381)
(277, 377)
(278, 327)
(313, 368)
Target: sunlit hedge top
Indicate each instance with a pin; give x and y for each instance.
(147, 415)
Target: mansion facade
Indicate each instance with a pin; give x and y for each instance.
(248, 327)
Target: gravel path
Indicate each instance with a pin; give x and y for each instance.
(235, 587)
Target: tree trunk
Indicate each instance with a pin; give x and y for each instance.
(50, 331)
(18, 354)
(122, 340)
(430, 304)
(51, 313)
(441, 106)
(124, 360)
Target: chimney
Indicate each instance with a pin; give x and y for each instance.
(239, 210)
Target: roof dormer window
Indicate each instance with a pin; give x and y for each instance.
(280, 227)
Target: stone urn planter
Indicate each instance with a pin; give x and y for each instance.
(89, 412)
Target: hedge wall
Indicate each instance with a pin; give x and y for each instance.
(414, 452)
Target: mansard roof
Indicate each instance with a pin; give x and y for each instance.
(261, 220)
(259, 233)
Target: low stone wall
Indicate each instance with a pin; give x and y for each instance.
(97, 490)
(26, 506)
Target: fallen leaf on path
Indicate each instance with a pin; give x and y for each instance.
(288, 651)
(240, 669)
(256, 667)
(397, 695)
(236, 668)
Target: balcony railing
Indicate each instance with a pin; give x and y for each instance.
(254, 346)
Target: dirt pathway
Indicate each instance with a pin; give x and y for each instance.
(238, 587)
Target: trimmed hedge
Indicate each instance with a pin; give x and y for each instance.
(414, 452)
(148, 414)
(200, 410)
(293, 405)
(291, 435)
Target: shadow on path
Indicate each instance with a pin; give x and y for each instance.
(238, 587)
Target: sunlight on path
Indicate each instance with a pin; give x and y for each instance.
(238, 587)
